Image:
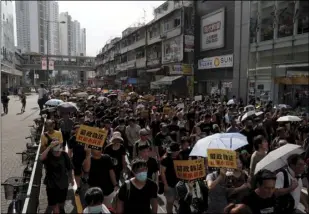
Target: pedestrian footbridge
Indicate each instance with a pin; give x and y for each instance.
(58, 62)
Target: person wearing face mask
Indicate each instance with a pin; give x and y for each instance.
(138, 193)
(58, 169)
(152, 164)
(168, 175)
(185, 148)
(162, 140)
(94, 200)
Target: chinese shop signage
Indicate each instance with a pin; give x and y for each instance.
(222, 158)
(190, 169)
(93, 137)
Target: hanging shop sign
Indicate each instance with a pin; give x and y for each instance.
(51, 65)
(181, 69)
(44, 63)
(189, 43)
(216, 62)
(212, 30)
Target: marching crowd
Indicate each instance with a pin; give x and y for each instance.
(151, 135)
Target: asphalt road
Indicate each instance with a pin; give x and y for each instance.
(14, 129)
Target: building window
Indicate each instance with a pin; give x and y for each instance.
(267, 20)
(285, 18)
(303, 17)
(254, 22)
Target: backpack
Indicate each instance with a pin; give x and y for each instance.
(115, 199)
(285, 203)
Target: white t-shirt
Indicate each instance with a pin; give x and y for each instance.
(103, 211)
(41, 92)
(297, 192)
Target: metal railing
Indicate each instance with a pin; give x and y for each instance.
(31, 202)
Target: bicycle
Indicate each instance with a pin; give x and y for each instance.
(15, 189)
(28, 159)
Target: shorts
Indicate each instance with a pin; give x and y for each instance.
(56, 196)
(78, 167)
(170, 193)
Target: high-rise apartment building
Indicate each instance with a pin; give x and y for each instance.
(7, 29)
(76, 34)
(65, 34)
(83, 41)
(32, 18)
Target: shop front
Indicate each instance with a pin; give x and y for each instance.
(214, 75)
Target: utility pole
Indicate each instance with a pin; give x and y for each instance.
(47, 51)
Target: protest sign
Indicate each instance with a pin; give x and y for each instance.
(222, 158)
(190, 169)
(91, 136)
(198, 98)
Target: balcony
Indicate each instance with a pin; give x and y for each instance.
(154, 39)
(171, 33)
(137, 44)
(153, 62)
(131, 64)
(141, 63)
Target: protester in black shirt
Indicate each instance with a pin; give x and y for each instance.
(5, 102)
(139, 194)
(101, 174)
(58, 169)
(249, 133)
(162, 140)
(78, 154)
(155, 125)
(206, 125)
(168, 175)
(118, 153)
(152, 164)
(262, 199)
(185, 151)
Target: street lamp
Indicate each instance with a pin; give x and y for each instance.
(47, 43)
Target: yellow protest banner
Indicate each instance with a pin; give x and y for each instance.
(190, 169)
(91, 136)
(166, 110)
(222, 158)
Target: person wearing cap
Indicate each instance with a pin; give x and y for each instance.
(168, 175)
(58, 169)
(117, 152)
(143, 140)
(132, 133)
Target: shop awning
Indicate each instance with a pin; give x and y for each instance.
(167, 80)
(153, 70)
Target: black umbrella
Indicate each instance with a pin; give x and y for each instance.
(67, 107)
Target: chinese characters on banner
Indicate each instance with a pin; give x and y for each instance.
(93, 137)
(222, 158)
(190, 169)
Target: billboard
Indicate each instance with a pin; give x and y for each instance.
(44, 63)
(216, 62)
(212, 30)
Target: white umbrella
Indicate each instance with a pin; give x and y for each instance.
(278, 158)
(246, 115)
(53, 102)
(280, 106)
(140, 106)
(82, 94)
(230, 141)
(65, 93)
(101, 98)
(259, 113)
(289, 118)
(249, 108)
(91, 97)
(230, 102)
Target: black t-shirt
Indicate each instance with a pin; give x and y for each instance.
(250, 135)
(170, 173)
(153, 167)
(57, 169)
(138, 199)
(99, 174)
(260, 205)
(206, 128)
(173, 128)
(79, 153)
(184, 154)
(116, 155)
(155, 127)
(162, 141)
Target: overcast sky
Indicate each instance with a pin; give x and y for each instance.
(104, 20)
